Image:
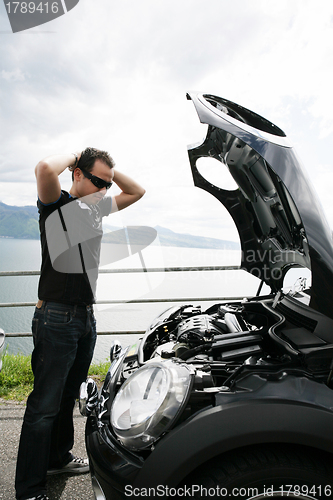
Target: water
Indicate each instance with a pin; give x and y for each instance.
(19, 255)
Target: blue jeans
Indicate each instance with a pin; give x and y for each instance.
(64, 340)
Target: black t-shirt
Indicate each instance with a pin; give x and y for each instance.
(71, 234)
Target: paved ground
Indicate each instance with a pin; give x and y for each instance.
(61, 487)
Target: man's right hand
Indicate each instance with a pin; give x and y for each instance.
(77, 156)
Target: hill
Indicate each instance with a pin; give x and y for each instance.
(18, 222)
(170, 238)
(22, 223)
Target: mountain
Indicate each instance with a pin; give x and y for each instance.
(22, 223)
(170, 238)
(19, 222)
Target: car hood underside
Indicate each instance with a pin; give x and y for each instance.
(277, 213)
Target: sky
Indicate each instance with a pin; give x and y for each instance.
(114, 75)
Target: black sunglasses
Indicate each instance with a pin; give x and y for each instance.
(97, 181)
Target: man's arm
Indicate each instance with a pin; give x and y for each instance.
(47, 172)
(131, 191)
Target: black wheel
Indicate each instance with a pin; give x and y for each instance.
(260, 473)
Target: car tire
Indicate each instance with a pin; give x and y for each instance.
(263, 472)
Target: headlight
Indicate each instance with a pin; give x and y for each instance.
(149, 401)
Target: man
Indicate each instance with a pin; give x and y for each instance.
(64, 327)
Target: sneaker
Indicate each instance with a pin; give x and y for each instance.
(75, 466)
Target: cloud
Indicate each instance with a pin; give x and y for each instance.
(13, 76)
(114, 75)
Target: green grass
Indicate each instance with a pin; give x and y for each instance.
(16, 377)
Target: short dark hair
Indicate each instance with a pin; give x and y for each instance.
(90, 155)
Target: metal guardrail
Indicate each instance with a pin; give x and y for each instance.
(29, 334)
(134, 301)
(136, 270)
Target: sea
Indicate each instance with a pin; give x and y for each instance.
(192, 287)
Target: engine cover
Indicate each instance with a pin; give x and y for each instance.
(197, 330)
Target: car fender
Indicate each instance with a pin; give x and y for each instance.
(217, 430)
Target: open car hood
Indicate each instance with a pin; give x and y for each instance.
(277, 213)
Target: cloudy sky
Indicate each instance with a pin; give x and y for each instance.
(114, 75)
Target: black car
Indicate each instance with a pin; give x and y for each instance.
(235, 400)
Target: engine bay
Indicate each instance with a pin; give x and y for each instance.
(259, 335)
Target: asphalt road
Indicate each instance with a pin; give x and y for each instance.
(60, 487)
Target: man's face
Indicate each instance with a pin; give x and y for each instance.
(85, 188)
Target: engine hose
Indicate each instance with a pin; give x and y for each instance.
(192, 352)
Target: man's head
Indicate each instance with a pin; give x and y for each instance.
(96, 163)
(90, 155)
